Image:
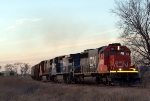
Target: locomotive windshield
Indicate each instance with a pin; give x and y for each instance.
(118, 51)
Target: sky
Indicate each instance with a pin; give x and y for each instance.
(36, 30)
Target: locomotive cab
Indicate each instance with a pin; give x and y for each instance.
(115, 58)
(120, 60)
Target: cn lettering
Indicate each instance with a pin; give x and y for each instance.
(121, 64)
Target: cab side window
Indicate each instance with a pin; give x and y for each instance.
(113, 52)
(128, 53)
(120, 53)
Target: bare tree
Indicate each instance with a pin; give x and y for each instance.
(133, 21)
(10, 67)
(24, 67)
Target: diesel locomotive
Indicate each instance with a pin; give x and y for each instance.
(109, 65)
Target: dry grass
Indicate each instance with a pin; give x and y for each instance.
(145, 76)
(25, 89)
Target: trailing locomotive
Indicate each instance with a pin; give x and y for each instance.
(104, 65)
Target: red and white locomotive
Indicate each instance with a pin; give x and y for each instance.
(104, 65)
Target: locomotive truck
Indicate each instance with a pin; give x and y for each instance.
(109, 65)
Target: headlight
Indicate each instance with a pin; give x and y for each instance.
(118, 47)
(133, 69)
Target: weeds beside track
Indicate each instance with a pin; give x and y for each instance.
(26, 89)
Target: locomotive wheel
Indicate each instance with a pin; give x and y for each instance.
(75, 80)
(48, 78)
(40, 78)
(68, 80)
(78, 80)
(97, 80)
(55, 79)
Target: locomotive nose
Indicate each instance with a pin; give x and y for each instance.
(120, 62)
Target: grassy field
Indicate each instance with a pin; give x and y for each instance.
(25, 89)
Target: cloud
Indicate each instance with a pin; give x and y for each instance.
(105, 32)
(77, 45)
(36, 19)
(21, 21)
(10, 27)
(87, 43)
(29, 40)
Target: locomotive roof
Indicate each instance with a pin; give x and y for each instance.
(115, 44)
(88, 50)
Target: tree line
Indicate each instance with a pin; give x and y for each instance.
(24, 68)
